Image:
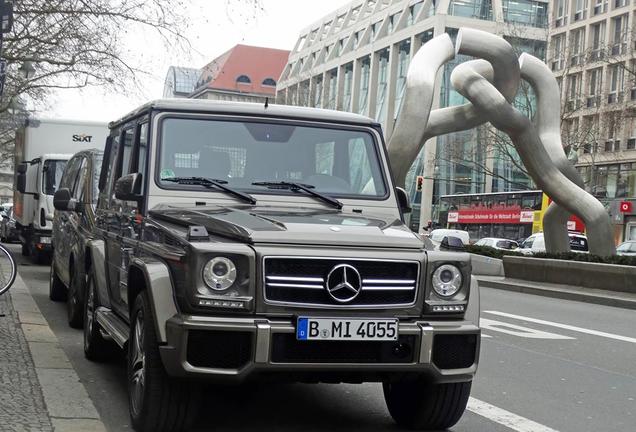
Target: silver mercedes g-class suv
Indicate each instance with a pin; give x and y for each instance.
(242, 241)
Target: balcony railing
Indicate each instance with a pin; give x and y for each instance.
(596, 54)
(593, 101)
(557, 64)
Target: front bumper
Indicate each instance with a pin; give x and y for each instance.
(235, 349)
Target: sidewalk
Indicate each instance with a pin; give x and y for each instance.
(39, 389)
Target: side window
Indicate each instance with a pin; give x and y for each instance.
(527, 244)
(128, 140)
(97, 167)
(70, 174)
(142, 153)
(78, 189)
(360, 170)
(107, 172)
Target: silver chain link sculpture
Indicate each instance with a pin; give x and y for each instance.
(491, 83)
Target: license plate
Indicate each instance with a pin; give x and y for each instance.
(45, 240)
(346, 329)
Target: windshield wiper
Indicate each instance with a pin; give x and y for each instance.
(303, 187)
(212, 183)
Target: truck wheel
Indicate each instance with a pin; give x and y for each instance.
(74, 303)
(157, 402)
(418, 404)
(57, 290)
(25, 249)
(96, 348)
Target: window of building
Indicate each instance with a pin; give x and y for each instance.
(404, 50)
(597, 40)
(381, 102)
(325, 30)
(269, 82)
(631, 144)
(363, 90)
(317, 91)
(558, 51)
(560, 15)
(617, 145)
(375, 29)
(619, 34)
(580, 9)
(244, 79)
(608, 145)
(600, 6)
(340, 45)
(620, 3)
(574, 83)
(425, 36)
(332, 77)
(414, 11)
(393, 21)
(480, 9)
(616, 83)
(594, 82)
(526, 12)
(347, 86)
(577, 43)
(354, 15)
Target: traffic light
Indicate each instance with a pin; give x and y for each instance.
(419, 182)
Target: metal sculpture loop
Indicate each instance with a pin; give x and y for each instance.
(491, 83)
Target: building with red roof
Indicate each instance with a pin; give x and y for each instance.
(244, 73)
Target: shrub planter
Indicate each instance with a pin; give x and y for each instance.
(583, 274)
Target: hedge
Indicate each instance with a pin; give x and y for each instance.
(568, 256)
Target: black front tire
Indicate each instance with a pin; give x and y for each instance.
(74, 301)
(422, 405)
(96, 348)
(157, 402)
(57, 290)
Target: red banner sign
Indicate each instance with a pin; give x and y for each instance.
(489, 216)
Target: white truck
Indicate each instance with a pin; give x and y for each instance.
(42, 149)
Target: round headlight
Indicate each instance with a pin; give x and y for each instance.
(219, 273)
(447, 280)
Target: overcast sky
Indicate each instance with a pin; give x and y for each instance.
(211, 32)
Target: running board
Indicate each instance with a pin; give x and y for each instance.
(112, 325)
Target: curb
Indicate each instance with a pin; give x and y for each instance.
(565, 292)
(67, 402)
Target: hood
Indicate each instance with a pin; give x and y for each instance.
(293, 226)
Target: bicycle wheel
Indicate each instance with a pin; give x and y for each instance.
(8, 269)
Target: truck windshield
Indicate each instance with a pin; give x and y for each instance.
(51, 175)
(333, 161)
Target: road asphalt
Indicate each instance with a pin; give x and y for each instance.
(546, 365)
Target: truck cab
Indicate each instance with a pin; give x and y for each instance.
(240, 241)
(37, 181)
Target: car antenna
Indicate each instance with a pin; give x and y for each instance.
(266, 102)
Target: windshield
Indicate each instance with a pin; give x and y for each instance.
(51, 175)
(337, 162)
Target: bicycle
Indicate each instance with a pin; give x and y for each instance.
(8, 269)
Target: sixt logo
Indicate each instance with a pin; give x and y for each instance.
(82, 138)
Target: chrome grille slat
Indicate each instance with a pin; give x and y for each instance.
(301, 281)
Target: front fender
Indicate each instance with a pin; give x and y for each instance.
(160, 291)
(99, 267)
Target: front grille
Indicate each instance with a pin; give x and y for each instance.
(287, 349)
(454, 351)
(219, 349)
(303, 281)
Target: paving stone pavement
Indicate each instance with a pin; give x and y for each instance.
(22, 406)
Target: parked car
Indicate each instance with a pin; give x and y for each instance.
(237, 240)
(8, 231)
(498, 243)
(627, 248)
(437, 235)
(536, 244)
(72, 230)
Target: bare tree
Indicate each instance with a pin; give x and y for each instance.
(72, 44)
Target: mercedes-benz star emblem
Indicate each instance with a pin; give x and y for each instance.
(344, 283)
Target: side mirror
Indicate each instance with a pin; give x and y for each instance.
(63, 201)
(128, 187)
(20, 184)
(452, 243)
(403, 200)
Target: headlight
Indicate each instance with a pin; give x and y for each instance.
(447, 280)
(219, 273)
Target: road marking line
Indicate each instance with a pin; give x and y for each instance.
(516, 330)
(566, 327)
(505, 418)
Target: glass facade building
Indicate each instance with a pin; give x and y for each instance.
(376, 41)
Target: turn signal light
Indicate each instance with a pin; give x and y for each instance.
(449, 308)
